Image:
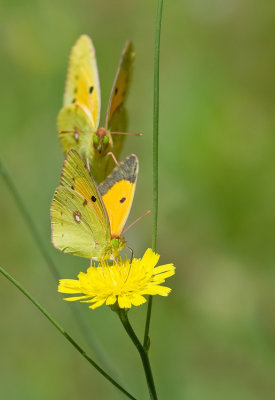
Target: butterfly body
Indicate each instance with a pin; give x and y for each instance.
(88, 220)
(78, 120)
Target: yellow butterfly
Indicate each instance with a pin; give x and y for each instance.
(87, 220)
(78, 120)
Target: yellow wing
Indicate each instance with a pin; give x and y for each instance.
(82, 85)
(121, 84)
(75, 175)
(76, 228)
(117, 116)
(75, 130)
(80, 224)
(117, 193)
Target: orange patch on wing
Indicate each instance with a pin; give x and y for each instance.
(118, 95)
(83, 97)
(118, 201)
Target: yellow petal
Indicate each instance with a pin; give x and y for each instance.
(160, 290)
(150, 259)
(69, 286)
(124, 302)
(75, 298)
(161, 277)
(97, 304)
(137, 300)
(163, 268)
(110, 300)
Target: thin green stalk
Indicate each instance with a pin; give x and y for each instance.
(155, 158)
(44, 251)
(142, 352)
(65, 334)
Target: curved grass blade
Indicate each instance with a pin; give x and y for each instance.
(87, 333)
(65, 334)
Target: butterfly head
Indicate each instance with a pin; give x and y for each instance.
(102, 140)
(117, 245)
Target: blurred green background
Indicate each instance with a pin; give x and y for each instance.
(213, 337)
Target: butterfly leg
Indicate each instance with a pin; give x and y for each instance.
(91, 261)
(88, 164)
(114, 259)
(132, 253)
(113, 156)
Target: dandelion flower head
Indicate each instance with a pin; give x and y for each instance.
(122, 282)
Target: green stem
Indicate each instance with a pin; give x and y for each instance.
(142, 352)
(155, 157)
(43, 250)
(65, 334)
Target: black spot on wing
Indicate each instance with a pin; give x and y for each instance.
(91, 89)
(122, 199)
(93, 198)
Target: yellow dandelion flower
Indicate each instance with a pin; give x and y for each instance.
(120, 282)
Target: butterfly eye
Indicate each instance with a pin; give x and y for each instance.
(105, 140)
(95, 139)
(115, 243)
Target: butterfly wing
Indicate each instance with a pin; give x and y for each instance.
(82, 85)
(117, 193)
(80, 223)
(76, 228)
(75, 130)
(117, 117)
(120, 90)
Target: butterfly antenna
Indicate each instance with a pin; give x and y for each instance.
(125, 133)
(76, 131)
(115, 160)
(138, 219)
